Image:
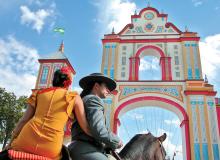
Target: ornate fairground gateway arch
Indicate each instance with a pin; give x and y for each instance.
(181, 89)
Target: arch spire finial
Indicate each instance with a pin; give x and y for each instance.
(113, 30)
(135, 12)
(61, 48)
(186, 29)
(206, 79)
(148, 4)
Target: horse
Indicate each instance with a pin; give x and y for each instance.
(140, 147)
(144, 147)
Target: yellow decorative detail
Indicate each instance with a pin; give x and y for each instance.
(184, 61)
(199, 129)
(116, 61)
(109, 60)
(199, 62)
(189, 111)
(103, 59)
(192, 62)
(210, 151)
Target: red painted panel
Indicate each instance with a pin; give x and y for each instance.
(218, 116)
(164, 40)
(208, 93)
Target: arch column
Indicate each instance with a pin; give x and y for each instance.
(134, 68)
(165, 63)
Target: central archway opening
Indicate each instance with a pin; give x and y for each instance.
(149, 68)
(157, 104)
(149, 65)
(157, 121)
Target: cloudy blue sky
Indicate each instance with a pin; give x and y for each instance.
(27, 34)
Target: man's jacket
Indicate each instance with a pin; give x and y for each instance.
(94, 108)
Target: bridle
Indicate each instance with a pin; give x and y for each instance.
(115, 154)
(162, 149)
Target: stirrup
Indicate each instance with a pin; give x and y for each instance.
(19, 155)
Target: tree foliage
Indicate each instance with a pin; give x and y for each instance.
(11, 110)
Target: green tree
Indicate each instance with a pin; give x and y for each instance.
(11, 110)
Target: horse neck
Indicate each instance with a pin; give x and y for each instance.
(144, 147)
(149, 154)
(134, 150)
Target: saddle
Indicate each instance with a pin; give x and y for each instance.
(18, 155)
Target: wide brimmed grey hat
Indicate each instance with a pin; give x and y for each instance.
(97, 77)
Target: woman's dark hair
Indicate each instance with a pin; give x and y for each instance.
(59, 78)
(89, 88)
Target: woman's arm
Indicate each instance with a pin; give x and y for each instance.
(29, 113)
(80, 115)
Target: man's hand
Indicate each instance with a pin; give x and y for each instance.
(120, 144)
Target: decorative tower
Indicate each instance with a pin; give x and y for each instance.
(48, 66)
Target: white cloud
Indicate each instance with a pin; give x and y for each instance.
(136, 116)
(144, 65)
(210, 59)
(197, 2)
(149, 64)
(42, 3)
(114, 13)
(172, 122)
(171, 148)
(37, 2)
(37, 19)
(217, 8)
(162, 131)
(18, 66)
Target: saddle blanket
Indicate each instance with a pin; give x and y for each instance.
(18, 155)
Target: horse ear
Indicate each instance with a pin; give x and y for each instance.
(162, 138)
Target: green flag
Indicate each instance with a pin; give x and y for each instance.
(59, 30)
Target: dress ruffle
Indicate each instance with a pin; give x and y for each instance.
(32, 99)
(70, 99)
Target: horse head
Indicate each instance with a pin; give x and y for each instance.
(144, 147)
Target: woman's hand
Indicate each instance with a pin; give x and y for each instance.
(7, 147)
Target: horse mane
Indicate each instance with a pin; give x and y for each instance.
(138, 145)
